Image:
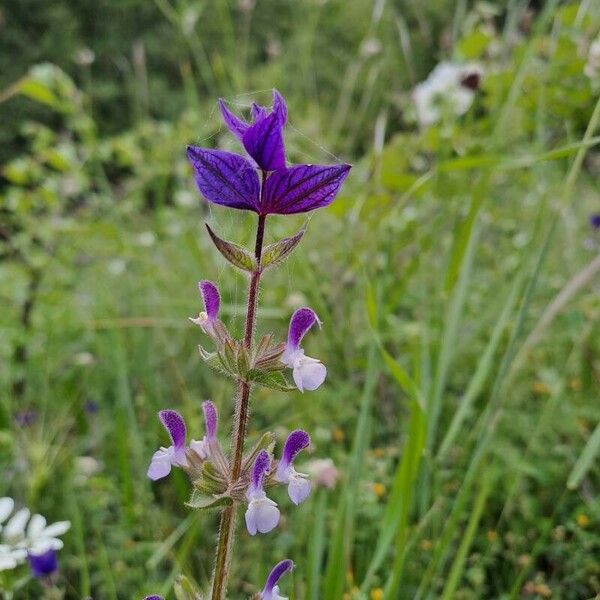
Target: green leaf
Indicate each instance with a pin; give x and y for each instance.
(273, 380)
(38, 91)
(586, 460)
(237, 255)
(202, 501)
(184, 590)
(275, 254)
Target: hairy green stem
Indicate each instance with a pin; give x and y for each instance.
(227, 526)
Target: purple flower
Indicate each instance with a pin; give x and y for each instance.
(153, 598)
(173, 456)
(309, 373)
(271, 589)
(212, 300)
(262, 514)
(43, 565)
(595, 221)
(25, 417)
(298, 483)
(202, 447)
(232, 180)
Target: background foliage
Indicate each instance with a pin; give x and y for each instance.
(457, 278)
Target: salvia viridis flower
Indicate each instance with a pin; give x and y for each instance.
(271, 589)
(298, 483)
(309, 373)
(262, 514)
(176, 455)
(208, 319)
(232, 180)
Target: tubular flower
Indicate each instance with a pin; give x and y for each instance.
(309, 373)
(173, 456)
(207, 319)
(203, 447)
(231, 180)
(298, 483)
(271, 589)
(262, 514)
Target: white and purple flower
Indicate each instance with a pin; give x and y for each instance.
(262, 514)
(271, 589)
(207, 319)
(449, 88)
(26, 536)
(309, 373)
(164, 459)
(298, 483)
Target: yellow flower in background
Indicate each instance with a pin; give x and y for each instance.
(378, 489)
(582, 520)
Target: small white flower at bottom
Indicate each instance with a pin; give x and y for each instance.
(262, 514)
(309, 373)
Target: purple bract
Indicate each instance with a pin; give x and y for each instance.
(231, 180)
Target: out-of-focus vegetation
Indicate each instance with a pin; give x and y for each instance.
(457, 277)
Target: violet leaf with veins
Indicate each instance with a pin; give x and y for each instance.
(225, 178)
(302, 188)
(230, 180)
(262, 514)
(298, 483)
(309, 373)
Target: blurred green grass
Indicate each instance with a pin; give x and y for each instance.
(467, 445)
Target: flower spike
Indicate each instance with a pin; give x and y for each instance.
(298, 483)
(271, 589)
(309, 373)
(165, 458)
(262, 514)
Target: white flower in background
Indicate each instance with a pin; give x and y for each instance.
(592, 66)
(23, 534)
(450, 88)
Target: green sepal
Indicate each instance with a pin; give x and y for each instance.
(215, 361)
(274, 254)
(266, 442)
(202, 501)
(237, 255)
(243, 362)
(273, 380)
